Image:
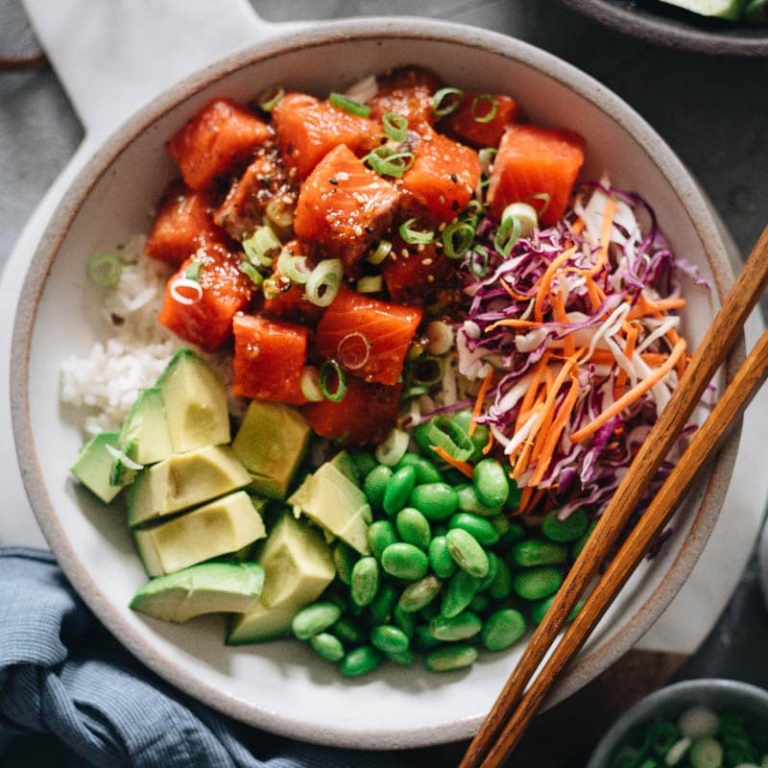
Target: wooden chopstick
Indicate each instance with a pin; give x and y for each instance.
(491, 744)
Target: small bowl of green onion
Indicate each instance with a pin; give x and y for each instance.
(707, 723)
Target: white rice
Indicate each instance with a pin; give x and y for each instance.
(106, 382)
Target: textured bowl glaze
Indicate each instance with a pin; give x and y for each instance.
(281, 686)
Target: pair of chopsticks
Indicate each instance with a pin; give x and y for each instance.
(516, 706)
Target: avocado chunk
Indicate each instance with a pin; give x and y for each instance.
(201, 589)
(272, 442)
(195, 402)
(184, 480)
(93, 467)
(217, 528)
(144, 436)
(331, 500)
(298, 567)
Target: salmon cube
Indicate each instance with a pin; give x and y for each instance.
(200, 310)
(406, 91)
(481, 119)
(220, 138)
(443, 177)
(269, 359)
(182, 224)
(420, 275)
(535, 161)
(344, 207)
(308, 128)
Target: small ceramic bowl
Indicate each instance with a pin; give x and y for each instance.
(670, 702)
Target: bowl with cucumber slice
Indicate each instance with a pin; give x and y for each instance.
(736, 28)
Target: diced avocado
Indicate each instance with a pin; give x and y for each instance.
(346, 465)
(298, 567)
(93, 467)
(723, 9)
(184, 480)
(331, 500)
(200, 589)
(271, 442)
(195, 402)
(144, 436)
(217, 528)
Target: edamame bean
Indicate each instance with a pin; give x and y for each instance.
(404, 561)
(512, 533)
(406, 621)
(565, 530)
(383, 604)
(436, 501)
(450, 658)
(493, 568)
(360, 661)
(537, 583)
(540, 607)
(468, 501)
(315, 618)
(491, 482)
(501, 586)
(327, 646)
(532, 552)
(389, 639)
(426, 471)
(365, 580)
(375, 484)
(344, 558)
(513, 500)
(458, 594)
(423, 641)
(461, 627)
(578, 545)
(440, 559)
(467, 552)
(480, 603)
(481, 529)
(413, 527)
(381, 534)
(348, 632)
(398, 490)
(404, 658)
(419, 594)
(363, 462)
(502, 629)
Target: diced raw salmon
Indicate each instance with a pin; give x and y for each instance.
(220, 138)
(533, 160)
(406, 91)
(204, 316)
(366, 336)
(481, 119)
(344, 207)
(308, 128)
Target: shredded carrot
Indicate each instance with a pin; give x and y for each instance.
(479, 400)
(646, 306)
(513, 293)
(513, 322)
(630, 397)
(546, 281)
(463, 466)
(561, 316)
(578, 226)
(489, 443)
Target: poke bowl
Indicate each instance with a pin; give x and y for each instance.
(70, 335)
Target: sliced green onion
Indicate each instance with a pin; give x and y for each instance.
(446, 100)
(341, 101)
(271, 98)
(426, 371)
(481, 111)
(387, 161)
(123, 458)
(185, 291)
(310, 384)
(270, 288)
(382, 250)
(262, 246)
(415, 236)
(486, 156)
(446, 434)
(395, 126)
(104, 270)
(507, 234)
(439, 337)
(193, 270)
(294, 267)
(478, 261)
(280, 213)
(248, 269)
(412, 392)
(545, 198)
(525, 214)
(324, 282)
(353, 351)
(393, 448)
(370, 284)
(458, 237)
(329, 371)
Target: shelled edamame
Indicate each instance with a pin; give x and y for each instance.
(451, 573)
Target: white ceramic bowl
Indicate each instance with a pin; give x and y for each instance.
(670, 702)
(280, 686)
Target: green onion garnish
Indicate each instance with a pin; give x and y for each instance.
(295, 268)
(446, 434)
(341, 101)
(478, 261)
(382, 250)
(395, 126)
(426, 371)
(271, 98)
(446, 100)
(104, 270)
(370, 284)
(324, 282)
(387, 161)
(457, 239)
(482, 112)
(193, 271)
(262, 246)
(280, 214)
(545, 198)
(248, 269)
(415, 236)
(507, 234)
(332, 374)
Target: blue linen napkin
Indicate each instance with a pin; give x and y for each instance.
(64, 677)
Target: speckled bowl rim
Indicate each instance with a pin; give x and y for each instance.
(692, 199)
